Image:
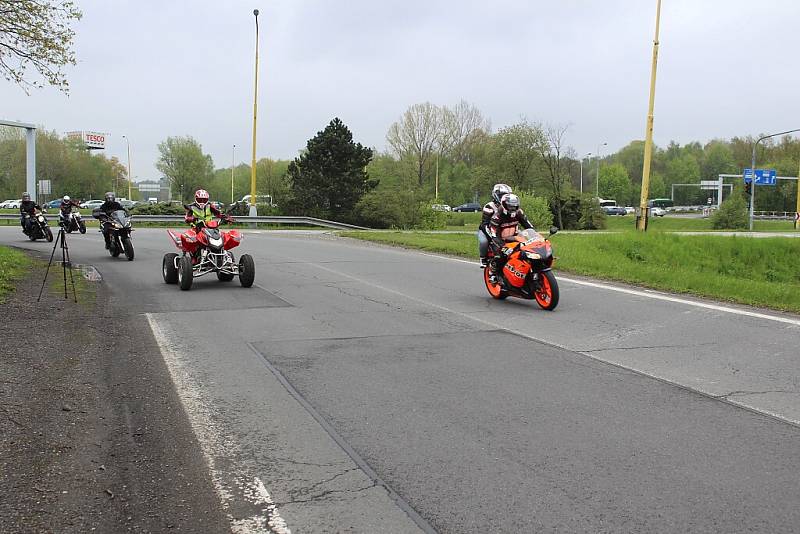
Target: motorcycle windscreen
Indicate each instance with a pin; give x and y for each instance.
(515, 271)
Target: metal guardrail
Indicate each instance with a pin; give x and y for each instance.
(777, 215)
(263, 219)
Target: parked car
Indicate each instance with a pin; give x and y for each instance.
(657, 212)
(441, 207)
(11, 204)
(630, 210)
(53, 204)
(470, 206)
(614, 210)
(91, 204)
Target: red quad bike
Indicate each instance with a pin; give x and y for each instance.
(207, 251)
(528, 272)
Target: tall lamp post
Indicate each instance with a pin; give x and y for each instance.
(597, 178)
(641, 218)
(233, 162)
(583, 158)
(253, 210)
(753, 171)
(130, 178)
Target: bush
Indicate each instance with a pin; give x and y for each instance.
(430, 219)
(537, 209)
(732, 215)
(162, 208)
(387, 209)
(592, 215)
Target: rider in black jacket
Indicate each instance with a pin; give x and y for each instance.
(502, 227)
(26, 211)
(104, 211)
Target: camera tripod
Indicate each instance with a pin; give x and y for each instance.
(66, 264)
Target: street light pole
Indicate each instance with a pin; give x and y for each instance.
(584, 157)
(597, 178)
(233, 163)
(641, 219)
(130, 178)
(253, 210)
(753, 171)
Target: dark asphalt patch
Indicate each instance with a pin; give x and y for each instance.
(493, 432)
(209, 294)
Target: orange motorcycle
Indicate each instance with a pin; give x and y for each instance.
(527, 272)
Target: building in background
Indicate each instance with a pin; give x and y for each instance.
(158, 190)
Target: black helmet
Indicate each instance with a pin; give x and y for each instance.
(499, 190)
(110, 197)
(26, 196)
(510, 204)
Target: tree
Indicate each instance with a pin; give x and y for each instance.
(552, 150)
(463, 127)
(417, 134)
(330, 177)
(515, 150)
(37, 33)
(615, 184)
(182, 161)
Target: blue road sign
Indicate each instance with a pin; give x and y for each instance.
(763, 176)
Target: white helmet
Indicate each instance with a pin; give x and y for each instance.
(66, 198)
(499, 190)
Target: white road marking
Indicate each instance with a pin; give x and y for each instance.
(553, 344)
(215, 444)
(652, 295)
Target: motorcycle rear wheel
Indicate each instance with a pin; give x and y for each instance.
(546, 294)
(495, 290)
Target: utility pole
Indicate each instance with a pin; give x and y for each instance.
(233, 164)
(253, 210)
(641, 218)
(597, 178)
(797, 206)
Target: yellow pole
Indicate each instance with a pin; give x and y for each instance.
(130, 178)
(641, 219)
(253, 211)
(797, 207)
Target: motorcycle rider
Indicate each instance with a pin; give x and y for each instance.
(27, 209)
(104, 212)
(66, 208)
(502, 227)
(201, 211)
(489, 210)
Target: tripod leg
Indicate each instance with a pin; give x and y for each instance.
(49, 263)
(68, 265)
(63, 260)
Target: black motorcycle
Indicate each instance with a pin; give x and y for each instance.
(36, 227)
(72, 222)
(118, 228)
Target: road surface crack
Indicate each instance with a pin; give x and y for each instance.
(645, 347)
(310, 489)
(742, 393)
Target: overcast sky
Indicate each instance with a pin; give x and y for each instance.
(151, 69)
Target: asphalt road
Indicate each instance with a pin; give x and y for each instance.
(369, 389)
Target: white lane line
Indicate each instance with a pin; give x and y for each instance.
(652, 295)
(216, 444)
(560, 346)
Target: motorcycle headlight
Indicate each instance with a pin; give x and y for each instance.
(215, 242)
(533, 256)
(41, 219)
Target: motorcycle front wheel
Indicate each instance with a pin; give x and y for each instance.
(48, 233)
(546, 294)
(82, 227)
(127, 245)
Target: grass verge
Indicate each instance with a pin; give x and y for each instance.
(758, 272)
(13, 264)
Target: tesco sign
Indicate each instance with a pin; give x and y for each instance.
(92, 140)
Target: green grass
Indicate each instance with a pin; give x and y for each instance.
(686, 224)
(13, 264)
(759, 272)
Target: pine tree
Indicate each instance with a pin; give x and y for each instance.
(330, 177)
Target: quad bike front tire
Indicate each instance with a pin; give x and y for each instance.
(168, 269)
(247, 270)
(185, 273)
